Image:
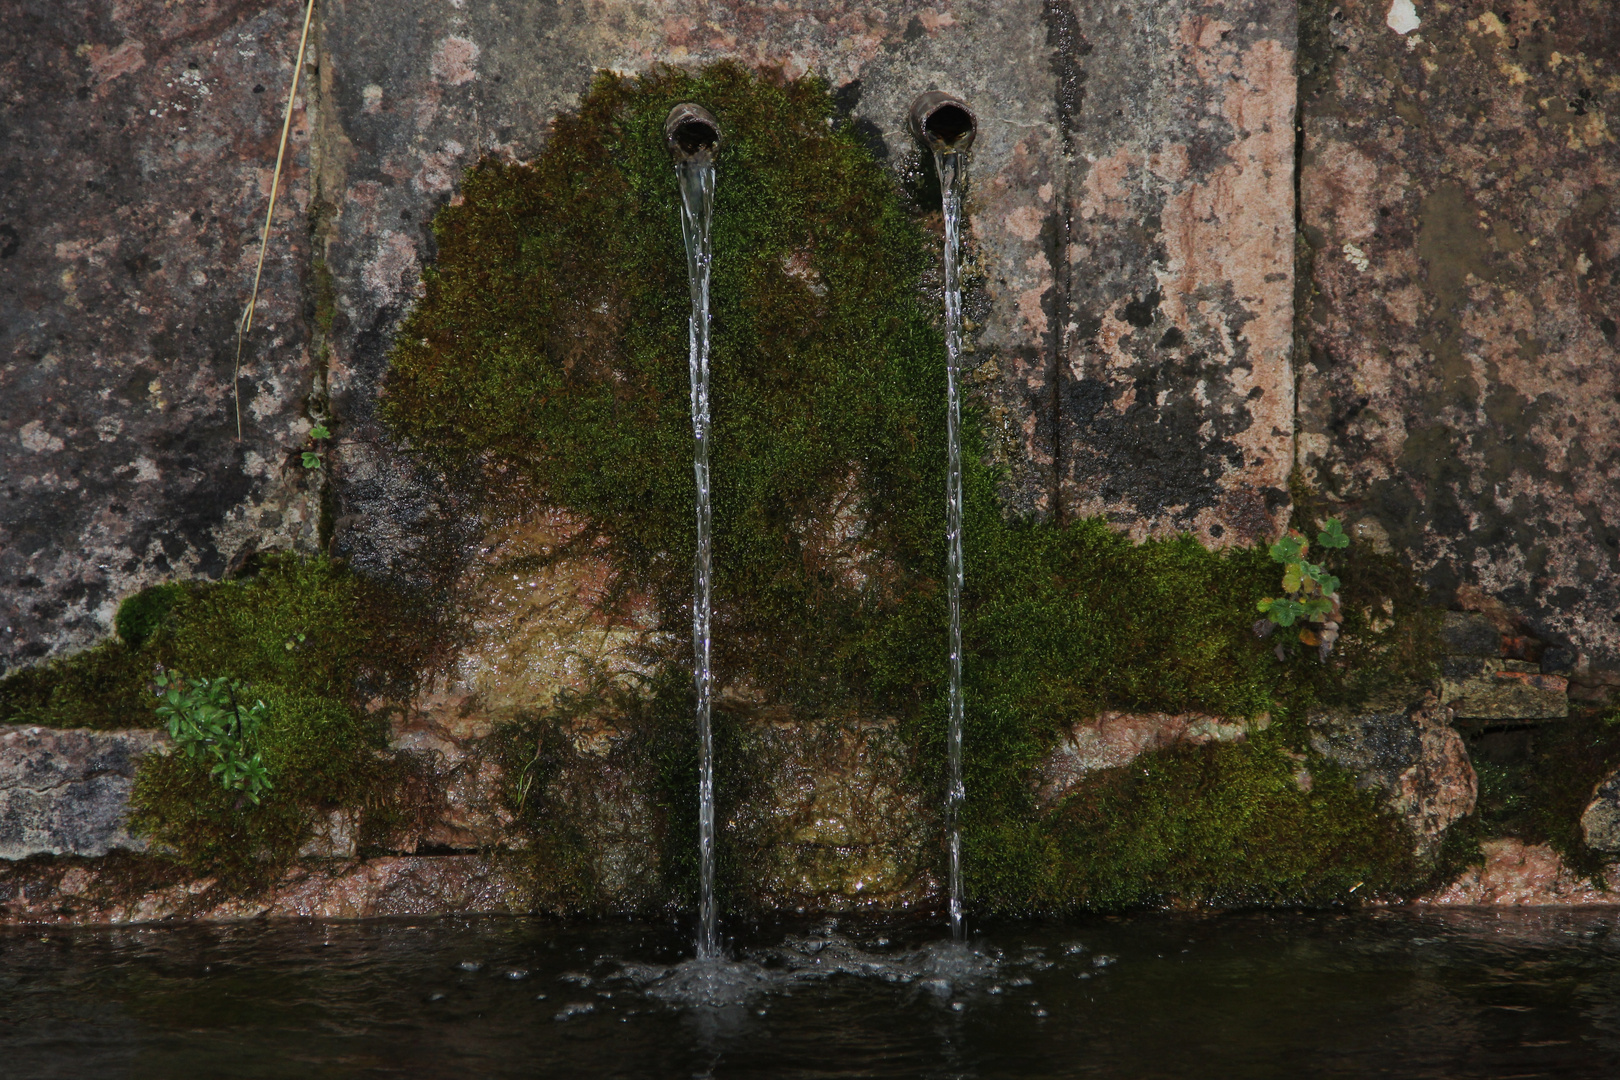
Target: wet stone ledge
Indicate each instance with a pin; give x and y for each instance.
(143, 890)
(67, 792)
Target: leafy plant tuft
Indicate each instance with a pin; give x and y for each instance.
(209, 720)
(1310, 593)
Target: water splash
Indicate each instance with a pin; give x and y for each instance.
(693, 136)
(937, 970)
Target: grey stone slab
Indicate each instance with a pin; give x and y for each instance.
(67, 792)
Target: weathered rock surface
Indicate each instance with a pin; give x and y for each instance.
(606, 792)
(1470, 633)
(1493, 671)
(1459, 388)
(1411, 754)
(463, 810)
(599, 789)
(67, 792)
(1477, 688)
(72, 891)
(533, 624)
(1113, 739)
(1600, 821)
(831, 822)
(135, 171)
(1518, 874)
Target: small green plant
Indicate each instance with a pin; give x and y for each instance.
(209, 720)
(1310, 593)
(312, 458)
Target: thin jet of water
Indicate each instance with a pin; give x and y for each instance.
(692, 136)
(947, 127)
(949, 164)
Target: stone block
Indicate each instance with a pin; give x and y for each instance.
(1467, 633)
(67, 792)
(1411, 754)
(1479, 688)
(1516, 874)
(830, 820)
(1113, 739)
(88, 893)
(1600, 822)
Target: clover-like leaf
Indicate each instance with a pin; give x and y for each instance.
(319, 432)
(1288, 549)
(1333, 535)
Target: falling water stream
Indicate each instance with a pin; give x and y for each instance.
(947, 127)
(949, 164)
(693, 136)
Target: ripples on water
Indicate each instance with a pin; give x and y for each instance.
(1442, 994)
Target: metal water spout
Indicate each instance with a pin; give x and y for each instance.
(693, 136)
(947, 126)
(943, 122)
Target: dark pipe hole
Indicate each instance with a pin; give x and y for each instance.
(695, 135)
(948, 123)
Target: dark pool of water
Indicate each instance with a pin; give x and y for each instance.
(1393, 993)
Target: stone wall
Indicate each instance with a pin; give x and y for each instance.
(1460, 389)
(139, 143)
(1134, 249)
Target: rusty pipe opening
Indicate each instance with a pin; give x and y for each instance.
(691, 133)
(943, 122)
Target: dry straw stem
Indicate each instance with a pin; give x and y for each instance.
(245, 323)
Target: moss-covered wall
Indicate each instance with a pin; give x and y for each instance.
(549, 346)
(1128, 298)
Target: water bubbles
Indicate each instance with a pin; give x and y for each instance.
(1103, 960)
(471, 965)
(573, 1009)
(517, 973)
(936, 986)
(1073, 948)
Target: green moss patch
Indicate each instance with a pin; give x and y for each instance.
(1228, 824)
(305, 635)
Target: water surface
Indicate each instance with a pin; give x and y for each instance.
(1397, 993)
